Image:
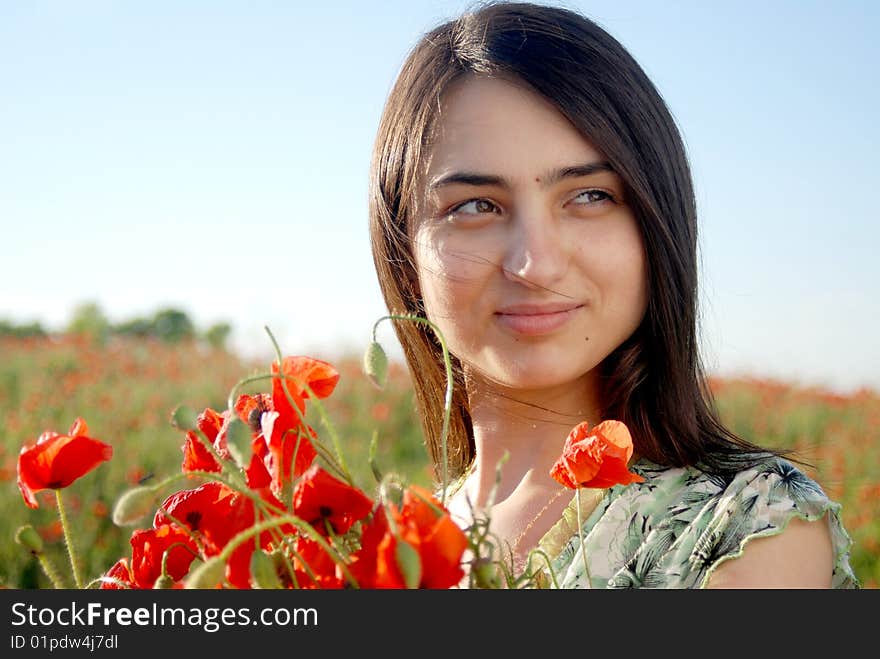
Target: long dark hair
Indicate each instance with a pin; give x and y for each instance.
(654, 382)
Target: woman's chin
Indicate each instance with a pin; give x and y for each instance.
(534, 377)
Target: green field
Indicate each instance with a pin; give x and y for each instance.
(126, 389)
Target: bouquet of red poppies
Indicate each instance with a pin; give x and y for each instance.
(266, 503)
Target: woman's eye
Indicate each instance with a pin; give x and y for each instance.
(593, 197)
(475, 207)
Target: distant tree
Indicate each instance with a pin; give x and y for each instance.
(217, 335)
(21, 331)
(137, 327)
(31, 329)
(172, 325)
(89, 320)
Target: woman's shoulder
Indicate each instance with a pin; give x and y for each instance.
(767, 479)
(674, 528)
(764, 500)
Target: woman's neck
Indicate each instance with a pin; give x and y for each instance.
(523, 431)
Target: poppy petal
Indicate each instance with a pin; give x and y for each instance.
(596, 458)
(55, 461)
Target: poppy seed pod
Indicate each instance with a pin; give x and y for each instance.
(376, 365)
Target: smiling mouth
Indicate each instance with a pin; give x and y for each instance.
(534, 320)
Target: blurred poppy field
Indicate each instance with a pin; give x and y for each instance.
(127, 387)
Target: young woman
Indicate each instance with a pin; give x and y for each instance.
(531, 197)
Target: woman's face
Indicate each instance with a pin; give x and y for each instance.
(528, 258)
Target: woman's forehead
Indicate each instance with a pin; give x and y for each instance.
(495, 126)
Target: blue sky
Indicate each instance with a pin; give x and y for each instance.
(214, 156)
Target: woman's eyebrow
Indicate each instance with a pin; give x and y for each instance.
(578, 170)
(466, 178)
(548, 179)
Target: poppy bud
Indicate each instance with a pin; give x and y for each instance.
(238, 441)
(28, 538)
(376, 365)
(184, 418)
(207, 575)
(163, 582)
(134, 505)
(409, 563)
(263, 571)
(486, 574)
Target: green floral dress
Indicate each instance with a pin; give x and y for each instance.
(676, 527)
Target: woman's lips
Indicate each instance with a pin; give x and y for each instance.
(532, 320)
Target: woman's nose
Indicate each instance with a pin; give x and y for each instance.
(536, 254)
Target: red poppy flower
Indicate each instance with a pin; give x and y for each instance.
(250, 409)
(320, 498)
(387, 573)
(56, 461)
(196, 456)
(121, 572)
(596, 458)
(439, 540)
(314, 567)
(289, 450)
(216, 514)
(281, 442)
(257, 475)
(374, 565)
(427, 527)
(148, 548)
(320, 376)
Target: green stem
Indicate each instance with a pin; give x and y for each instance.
(230, 480)
(385, 497)
(230, 401)
(529, 573)
(68, 540)
(447, 403)
(320, 449)
(226, 466)
(550, 569)
(577, 495)
(337, 462)
(167, 553)
(260, 504)
(261, 507)
(50, 570)
(298, 522)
